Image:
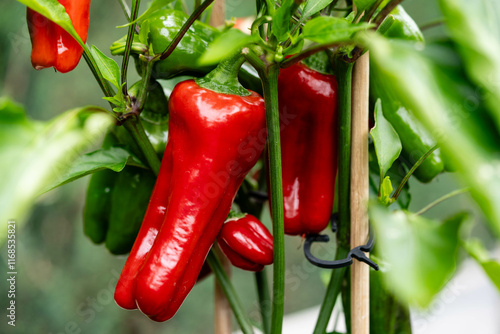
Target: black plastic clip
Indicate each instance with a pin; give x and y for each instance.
(356, 252)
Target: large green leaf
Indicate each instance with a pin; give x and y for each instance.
(329, 29)
(225, 45)
(114, 158)
(419, 254)
(387, 143)
(491, 267)
(55, 12)
(34, 154)
(475, 27)
(424, 88)
(281, 20)
(108, 67)
(312, 7)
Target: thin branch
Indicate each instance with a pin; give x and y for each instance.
(185, 27)
(442, 199)
(130, 38)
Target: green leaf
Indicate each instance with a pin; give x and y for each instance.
(34, 153)
(386, 191)
(422, 86)
(281, 20)
(491, 267)
(312, 7)
(329, 30)
(419, 254)
(108, 67)
(114, 158)
(362, 5)
(387, 143)
(226, 45)
(55, 12)
(155, 6)
(475, 27)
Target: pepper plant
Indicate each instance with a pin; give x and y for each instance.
(178, 159)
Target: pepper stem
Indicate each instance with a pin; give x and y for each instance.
(224, 78)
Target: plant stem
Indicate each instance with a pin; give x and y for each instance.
(106, 89)
(185, 27)
(306, 53)
(433, 23)
(125, 8)
(442, 199)
(332, 292)
(410, 173)
(231, 295)
(385, 11)
(264, 300)
(143, 90)
(134, 127)
(343, 73)
(128, 47)
(270, 87)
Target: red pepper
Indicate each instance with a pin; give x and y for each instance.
(308, 118)
(52, 45)
(211, 147)
(247, 243)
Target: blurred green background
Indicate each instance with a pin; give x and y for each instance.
(65, 282)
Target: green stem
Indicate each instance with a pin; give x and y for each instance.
(343, 73)
(385, 11)
(143, 90)
(125, 8)
(264, 300)
(134, 127)
(224, 78)
(230, 293)
(442, 199)
(106, 89)
(270, 87)
(410, 173)
(432, 24)
(306, 53)
(130, 40)
(185, 27)
(332, 292)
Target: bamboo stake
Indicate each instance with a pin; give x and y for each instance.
(218, 16)
(360, 275)
(223, 312)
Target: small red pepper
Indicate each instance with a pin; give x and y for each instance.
(247, 243)
(52, 46)
(309, 136)
(211, 147)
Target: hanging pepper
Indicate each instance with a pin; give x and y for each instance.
(52, 45)
(308, 119)
(215, 127)
(247, 243)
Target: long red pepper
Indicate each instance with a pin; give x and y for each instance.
(309, 131)
(52, 46)
(215, 138)
(247, 243)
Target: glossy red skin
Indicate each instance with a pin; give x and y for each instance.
(309, 137)
(212, 139)
(151, 224)
(247, 243)
(52, 46)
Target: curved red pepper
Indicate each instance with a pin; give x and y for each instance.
(52, 46)
(247, 243)
(211, 147)
(309, 130)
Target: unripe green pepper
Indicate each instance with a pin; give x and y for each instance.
(130, 198)
(404, 27)
(154, 116)
(98, 200)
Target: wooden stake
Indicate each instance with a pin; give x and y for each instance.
(223, 311)
(218, 16)
(360, 279)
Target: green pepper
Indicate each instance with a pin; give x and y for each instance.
(403, 26)
(163, 25)
(415, 139)
(154, 116)
(130, 198)
(98, 200)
